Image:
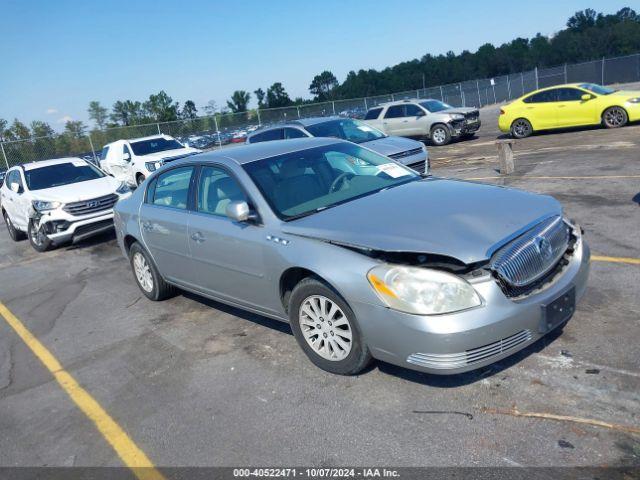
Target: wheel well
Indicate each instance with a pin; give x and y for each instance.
(128, 241)
(288, 281)
(440, 124)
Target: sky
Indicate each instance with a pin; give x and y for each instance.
(57, 56)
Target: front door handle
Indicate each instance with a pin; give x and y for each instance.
(197, 237)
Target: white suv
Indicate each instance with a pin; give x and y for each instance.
(132, 161)
(56, 201)
(428, 118)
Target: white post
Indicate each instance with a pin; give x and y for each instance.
(494, 92)
(258, 113)
(602, 71)
(158, 125)
(298, 110)
(393, 98)
(441, 94)
(522, 81)
(537, 86)
(478, 87)
(508, 87)
(418, 93)
(6, 162)
(461, 94)
(215, 122)
(333, 106)
(565, 73)
(365, 104)
(93, 150)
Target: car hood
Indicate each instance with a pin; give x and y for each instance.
(76, 192)
(626, 93)
(170, 155)
(392, 145)
(460, 110)
(464, 220)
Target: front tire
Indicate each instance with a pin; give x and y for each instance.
(615, 117)
(521, 128)
(15, 234)
(325, 327)
(147, 276)
(38, 239)
(139, 179)
(440, 135)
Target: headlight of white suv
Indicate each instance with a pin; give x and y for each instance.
(422, 291)
(153, 166)
(41, 205)
(123, 188)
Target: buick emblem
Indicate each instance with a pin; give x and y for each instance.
(92, 204)
(544, 247)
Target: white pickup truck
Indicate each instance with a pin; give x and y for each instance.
(132, 161)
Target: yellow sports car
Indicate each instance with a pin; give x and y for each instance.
(571, 105)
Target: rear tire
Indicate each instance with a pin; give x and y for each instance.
(15, 234)
(139, 179)
(38, 239)
(147, 276)
(521, 128)
(440, 135)
(325, 327)
(615, 117)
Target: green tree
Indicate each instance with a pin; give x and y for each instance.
(211, 107)
(277, 96)
(239, 101)
(260, 95)
(189, 110)
(18, 131)
(75, 129)
(323, 86)
(98, 114)
(161, 107)
(3, 129)
(41, 129)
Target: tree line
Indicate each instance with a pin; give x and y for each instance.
(588, 35)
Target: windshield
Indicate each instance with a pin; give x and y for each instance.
(304, 182)
(353, 130)
(595, 88)
(61, 174)
(435, 105)
(155, 145)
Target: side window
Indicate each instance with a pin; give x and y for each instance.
(216, 189)
(293, 133)
(125, 150)
(543, 97)
(373, 114)
(412, 110)
(395, 111)
(171, 189)
(15, 177)
(274, 134)
(104, 153)
(569, 95)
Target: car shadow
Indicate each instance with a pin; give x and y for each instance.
(93, 241)
(461, 379)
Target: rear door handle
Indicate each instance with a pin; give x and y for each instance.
(197, 237)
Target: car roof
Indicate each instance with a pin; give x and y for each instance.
(257, 151)
(301, 122)
(402, 102)
(47, 163)
(150, 137)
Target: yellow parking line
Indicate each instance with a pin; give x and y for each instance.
(586, 177)
(602, 258)
(127, 450)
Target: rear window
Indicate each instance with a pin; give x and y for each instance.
(104, 153)
(373, 114)
(155, 145)
(269, 135)
(61, 174)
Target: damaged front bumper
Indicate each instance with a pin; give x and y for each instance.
(61, 227)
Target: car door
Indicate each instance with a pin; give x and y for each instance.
(164, 219)
(120, 162)
(573, 110)
(227, 258)
(541, 109)
(9, 196)
(414, 122)
(394, 120)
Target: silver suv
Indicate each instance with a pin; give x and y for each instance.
(428, 118)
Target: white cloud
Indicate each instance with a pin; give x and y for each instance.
(51, 111)
(65, 119)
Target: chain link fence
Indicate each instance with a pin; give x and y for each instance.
(221, 130)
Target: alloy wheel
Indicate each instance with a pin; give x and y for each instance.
(143, 272)
(10, 226)
(439, 136)
(38, 237)
(615, 117)
(325, 328)
(521, 128)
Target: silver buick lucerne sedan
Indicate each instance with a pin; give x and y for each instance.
(362, 256)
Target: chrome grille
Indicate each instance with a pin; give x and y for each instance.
(91, 206)
(470, 357)
(406, 153)
(419, 167)
(533, 254)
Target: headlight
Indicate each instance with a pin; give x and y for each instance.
(153, 166)
(422, 291)
(634, 100)
(457, 116)
(123, 188)
(41, 205)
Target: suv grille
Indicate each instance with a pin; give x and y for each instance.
(532, 255)
(472, 115)
(91, 206)
(406, 153)
(470, 357)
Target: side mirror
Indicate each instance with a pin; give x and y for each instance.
(15, 187)
(420, 114)
(126, 157)
(586, 97)
(239, 211)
